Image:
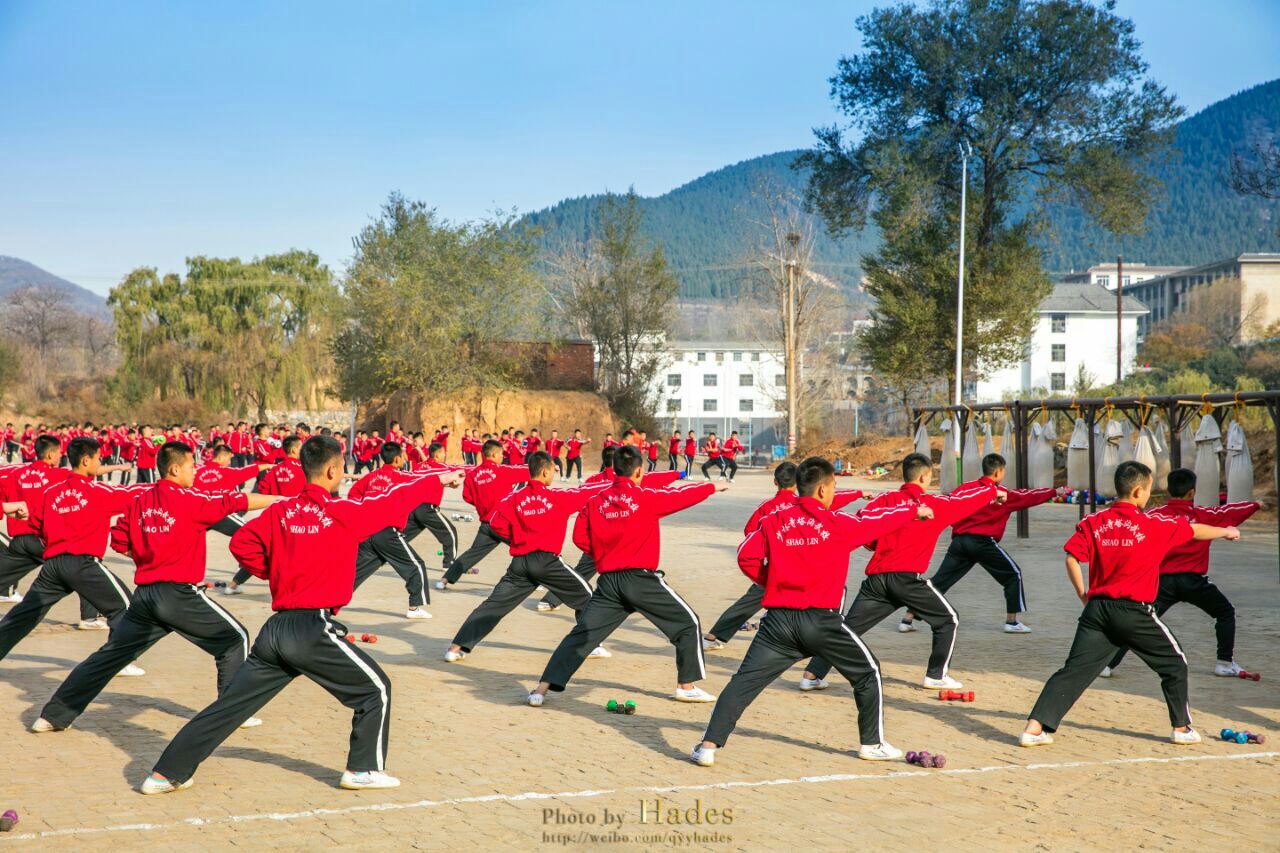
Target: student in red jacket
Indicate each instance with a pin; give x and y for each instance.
(895, 575)
(690, 451)
(163, 532)
(147, 449)
(388, 545)
(573, 454)
(1184, 571)
(784, 477)
(554, 445)
(285, 478)
(428, 515)
(673, 450)
(800, 555)
(976, 540)
(73, 521)
(485, 485)
(305, 547)
(711, 447)
(651, 450)
(729, 455)
(1123, 547)
(619, 528)
(534, 521)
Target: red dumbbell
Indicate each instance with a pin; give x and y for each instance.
(1252, 676)
(205, 584)
(955, 695)
(368, 638)
(350, 638)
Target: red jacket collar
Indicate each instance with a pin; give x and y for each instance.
(912, 489)
(316, 493)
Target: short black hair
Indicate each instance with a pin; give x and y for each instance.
(812, 473)
(606, 456)
(390, 450)
(1130, 475)
(45, 443)
(991, 463)
(538, 462)
(171, 453)
(80, 447)
(491, 448)
(221, 450)
(626, 460)
(784, 476)
(288, 443)
(913, 465)
(1181, 482)
(318, 452)
(433, 447)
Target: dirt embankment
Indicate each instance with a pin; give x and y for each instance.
(494, 411)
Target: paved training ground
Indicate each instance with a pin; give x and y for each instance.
(481, 770)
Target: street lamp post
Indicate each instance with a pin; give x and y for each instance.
(792, 350)
(965, 153)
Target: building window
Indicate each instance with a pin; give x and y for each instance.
(755, 356)
(1057, 381)
(1104, 280)
(746, 405)
(737, 356)
(708, 405)
(1124, 282)
(780, 380)
(1058, 323)
(1059, 352)
(746, 380)
(708, 380)
(673, 380)
(702, 356)
(719, 358)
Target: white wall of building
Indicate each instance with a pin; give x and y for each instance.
(1060, 345)
(717, 381)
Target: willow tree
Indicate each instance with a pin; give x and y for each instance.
(1052, 99)
(232, 335)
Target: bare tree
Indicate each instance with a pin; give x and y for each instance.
(39, 316)
(1256, 170)
(1225, 313)
(798, 297)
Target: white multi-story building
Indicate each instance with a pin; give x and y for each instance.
(1106, 275)
(723, 386)
(1076, 332)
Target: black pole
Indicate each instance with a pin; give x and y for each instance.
(1093, 470)
(1020, 453)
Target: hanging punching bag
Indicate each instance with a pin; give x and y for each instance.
(1239, 465)
(1009, 450)
(972, 460)
(1208, 438)
(922, 442)
(1078, 456)
(947, 479)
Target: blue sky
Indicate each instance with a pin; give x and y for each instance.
(140, 133)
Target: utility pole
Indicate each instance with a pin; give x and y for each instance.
(965, 153)
(792, 351)
(1119, 319)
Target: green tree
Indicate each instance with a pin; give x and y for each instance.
(616, 290)
(430, 302)
(232, 335)
(1052, 98)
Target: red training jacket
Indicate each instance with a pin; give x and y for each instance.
(786, 497)
(619, 526)
(536, 517)
(910, 550)
(488, 483)
(219, 479)
(1124, 546)
(1193, 556)
(77, 513)
(286, 478)
(992, 519)
(163, 531)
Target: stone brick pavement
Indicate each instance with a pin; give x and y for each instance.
(481, 770)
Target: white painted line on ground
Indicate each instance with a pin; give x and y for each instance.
(656, 789)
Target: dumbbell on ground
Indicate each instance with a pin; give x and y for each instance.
(924, 759)
(1242, 737)
(955, 696)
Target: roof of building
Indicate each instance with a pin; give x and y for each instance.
(725, 346)
(1085, 298)
(1246, 258)
(1135, 267)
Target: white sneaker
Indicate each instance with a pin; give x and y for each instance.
(1186, 738)
(440, 585)
(547, 607)
(536, 700)
(163, 786)
(807, 684)
(367, 779)
(251, 723)
(91, 625)
(43, 725)
(1042, 739)
(600, 652)
(453, 657)
(417, 613)
(232, 590)
(703, 756)
(15, 598)
(1016, 628)
(1227, 669)
(710, 645)
(905, 627)
(693, 694)
(946, 682)
(879, 752)
(1106, 672)
(131, 671)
